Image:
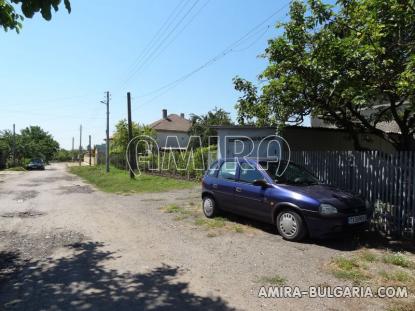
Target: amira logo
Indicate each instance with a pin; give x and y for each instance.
(144, 153)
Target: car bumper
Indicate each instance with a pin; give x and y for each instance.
(320, 226)
(35, 167)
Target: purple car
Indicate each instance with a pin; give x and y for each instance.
(283, 194)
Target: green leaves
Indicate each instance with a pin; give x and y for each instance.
(339, 63)
(9, 19)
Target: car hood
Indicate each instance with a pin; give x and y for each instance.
(328, 194)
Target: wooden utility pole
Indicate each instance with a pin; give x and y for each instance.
(80, 145)
(107, 153)
(130, 137)
(14, 145)
(73, 149)
(90, 153)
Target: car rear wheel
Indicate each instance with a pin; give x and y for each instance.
(290, 225)
(209, 207)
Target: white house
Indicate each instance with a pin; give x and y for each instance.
(248, 141)
(172, 131)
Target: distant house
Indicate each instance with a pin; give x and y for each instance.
(171, 131)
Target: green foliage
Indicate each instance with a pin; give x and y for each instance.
(37, 143)
(10, 19)
(398, 259)
(339, 63)
(201, 125)
(118, 181)
(32, 142)
(189, 164)
(64, 155)
(120, 140)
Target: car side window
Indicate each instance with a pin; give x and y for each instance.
(249, 173)
(228, 171)
(213, 169)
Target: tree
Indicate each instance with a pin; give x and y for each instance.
(352, 64)
(37, 143)
(120, 137)
(63, 155)
(10, 19)
(32, 142)
(201, 125)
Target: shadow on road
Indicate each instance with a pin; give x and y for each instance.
(81, 282)
(338, 241)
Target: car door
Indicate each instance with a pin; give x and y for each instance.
(250, 198)
(224, 189)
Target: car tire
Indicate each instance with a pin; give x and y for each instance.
(290, 225)
(209, 207)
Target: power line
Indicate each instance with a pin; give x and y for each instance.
(161, 43)
(231, 48)
(166, 25)
(155, 56)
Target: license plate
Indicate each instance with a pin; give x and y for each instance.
(356, 219)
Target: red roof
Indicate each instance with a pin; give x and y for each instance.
(173, 123)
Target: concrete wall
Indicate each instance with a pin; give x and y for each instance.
(248, 142)
(172, 139)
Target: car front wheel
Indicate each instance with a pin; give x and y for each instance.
(209, 207)
(290, 225)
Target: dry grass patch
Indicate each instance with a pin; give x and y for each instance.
(349, 269)
(375, 269)
(275, 280)
(398, 259)
(192, 212)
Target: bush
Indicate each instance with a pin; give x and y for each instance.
(190, 165)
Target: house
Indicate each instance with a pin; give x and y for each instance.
(249, 141)
(171, 131)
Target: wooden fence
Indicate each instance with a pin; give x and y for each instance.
(387, 181)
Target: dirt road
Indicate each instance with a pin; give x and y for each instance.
(65, 245)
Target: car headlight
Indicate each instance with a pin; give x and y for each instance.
(327, 209)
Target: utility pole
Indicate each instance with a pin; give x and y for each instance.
(130, 137)
(90, 153)
(107, 153)
(73, 149)
(14, 145)
(80, 144)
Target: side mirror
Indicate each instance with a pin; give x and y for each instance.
(260, 183)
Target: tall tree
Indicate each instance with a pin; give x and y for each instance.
(352, 64)
(37, 143)
(10, 19)
(201, 125)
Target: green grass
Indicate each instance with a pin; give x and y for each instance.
(211, 223)
(398, 260)
(348, 269)
(16, 169)
(368, 256)
(400, 276)
(118, 181)
(276, 280)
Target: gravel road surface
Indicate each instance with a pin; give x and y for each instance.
(67, 246)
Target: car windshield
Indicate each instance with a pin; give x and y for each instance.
(293, 174)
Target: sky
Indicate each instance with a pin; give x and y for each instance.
(55, 74)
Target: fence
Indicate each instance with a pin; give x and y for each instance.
(387, 181)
